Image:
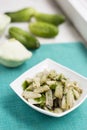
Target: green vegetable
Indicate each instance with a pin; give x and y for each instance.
(13, 53)
(43, 29)
(25, 84)
(55, 19)
(24, 37)
(22, 15)
(4, 21)
(41, 100)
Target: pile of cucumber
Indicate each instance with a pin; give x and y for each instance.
(45, 25)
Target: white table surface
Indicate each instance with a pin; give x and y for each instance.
(67, 33)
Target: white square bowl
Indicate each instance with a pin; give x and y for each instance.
(49, 64)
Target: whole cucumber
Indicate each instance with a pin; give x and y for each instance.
(22, 15)
(29, 41)
(55, 19)
(43, 29)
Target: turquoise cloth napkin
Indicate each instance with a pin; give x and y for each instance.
(15, 114)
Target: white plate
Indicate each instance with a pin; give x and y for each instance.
(49, 64)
